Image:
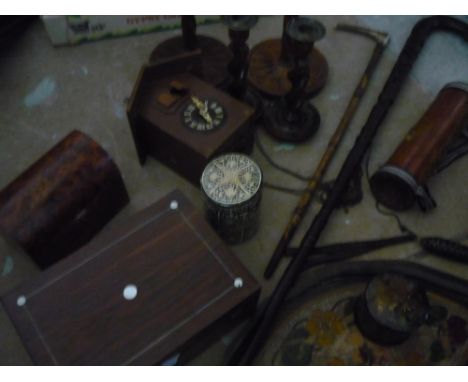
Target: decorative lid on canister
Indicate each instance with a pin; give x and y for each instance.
(231, 179)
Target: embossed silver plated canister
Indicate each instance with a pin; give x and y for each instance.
(232, 188)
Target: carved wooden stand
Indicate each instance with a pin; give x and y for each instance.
(270, 64)
(215, 56)
(291, 118)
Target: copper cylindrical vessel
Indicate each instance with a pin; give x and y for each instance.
(62, 200)
(401, 182)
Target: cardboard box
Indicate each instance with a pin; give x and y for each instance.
(71, 30)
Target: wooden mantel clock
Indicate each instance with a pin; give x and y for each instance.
(183, 121)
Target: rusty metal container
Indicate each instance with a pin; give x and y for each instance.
(62, 200)
(401, 182)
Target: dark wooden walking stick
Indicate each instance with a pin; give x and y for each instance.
(307, 196)
(261, 325)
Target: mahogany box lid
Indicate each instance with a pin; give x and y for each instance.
(135, 295)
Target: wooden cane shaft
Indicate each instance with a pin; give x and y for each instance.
(312, 186)
(260, 327)
(332, 146)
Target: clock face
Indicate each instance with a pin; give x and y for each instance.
(203, 115)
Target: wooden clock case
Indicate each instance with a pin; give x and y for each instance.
(158, 129)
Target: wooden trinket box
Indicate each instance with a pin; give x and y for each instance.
(62, 200)
(183, 121)
(162, 283)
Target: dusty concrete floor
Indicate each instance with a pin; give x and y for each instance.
(47, 92)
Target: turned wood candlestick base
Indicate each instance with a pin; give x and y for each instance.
(268, 72)
(292, 118)
(299, 129)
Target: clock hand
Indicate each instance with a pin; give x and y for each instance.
(207, 116)
(197, 102)
(202, 109)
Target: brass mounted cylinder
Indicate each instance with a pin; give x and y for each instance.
(401, 181)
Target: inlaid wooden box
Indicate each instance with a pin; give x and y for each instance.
(62, 200)
(160, 284)
(157, 119)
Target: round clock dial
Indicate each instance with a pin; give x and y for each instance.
(203, 115)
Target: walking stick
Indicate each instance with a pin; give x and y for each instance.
(307, 196)
(261, 325)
